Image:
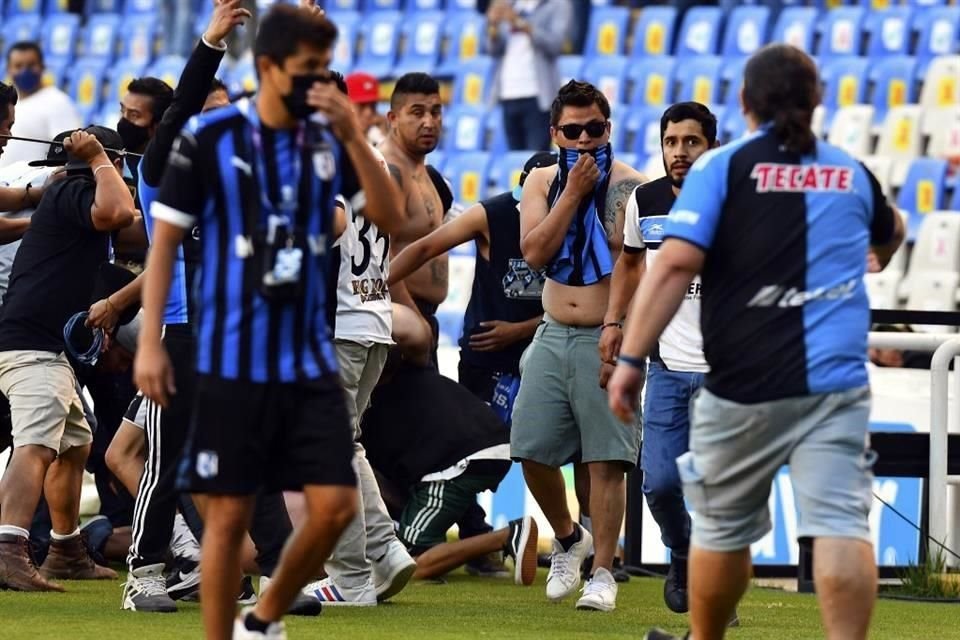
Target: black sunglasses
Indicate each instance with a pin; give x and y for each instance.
(594, 129)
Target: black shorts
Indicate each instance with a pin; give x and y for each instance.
(279, 436)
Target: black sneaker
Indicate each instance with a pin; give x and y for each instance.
(247, 595)
(675, 588)
(659, 634)
(619, 573)
(183, 583)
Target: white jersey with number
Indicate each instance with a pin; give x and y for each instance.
(364, 311)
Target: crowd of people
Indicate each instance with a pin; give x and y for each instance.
(266, 396)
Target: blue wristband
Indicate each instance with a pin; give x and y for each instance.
(636, 363)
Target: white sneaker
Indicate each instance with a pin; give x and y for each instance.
(332, 595)
(564, 576)
(393, 571)
(146, 590)
(275, 631)
(600, 592)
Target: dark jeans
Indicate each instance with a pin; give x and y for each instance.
(666, 435)
(526, 126)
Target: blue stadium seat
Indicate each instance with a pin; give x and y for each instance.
(242, 78)
(796, 26)
(100, 36)
(888, 32)
(732, 126)
(168, 69)
(495, 133)
(841, 32)
(927, 3)
(955, 200)
(345, 49)
(700, 79)
(381, 40)
(845, 83)
(619, 133)
(139, 38)
(119, 76)
(93, 7)
(894, 83)
(642, 127)
(55, 7)
(746, 30)
(924, 191)
(465, 35)
(425, 5)
(506, 168)
(570, 68)
(423, 34)
(107, 116)
(382, 5)
(437, 159)
(142, 7)
(472, 83)
(54, 73)
(938, 32)
(607, 34)
(23, 8)
(653, 32)
(700, 32)
(468, 173)
(653, 82)
(464, 128)
(609, 74)
(629, 159)
(20, 28)
(732, 77)
(60, 36)
(462, 6)
(343, 5)
(85, 83)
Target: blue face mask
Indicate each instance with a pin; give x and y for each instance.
(27, 80)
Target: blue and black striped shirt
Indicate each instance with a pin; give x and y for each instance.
(212, 183)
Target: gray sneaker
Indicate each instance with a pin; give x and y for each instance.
(146, 590)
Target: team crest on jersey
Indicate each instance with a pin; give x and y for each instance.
(793, 178)
(522, 282)
(324, 164)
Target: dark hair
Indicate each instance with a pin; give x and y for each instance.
(411, 83)
(285, 27)
(691, 111)
(340, 81)
(578, 94)
(218, 85)
(157, 90)
(8, 98)
(780, 85)
(26, 45)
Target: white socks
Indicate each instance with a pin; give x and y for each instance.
(9, 529)
(59, 537)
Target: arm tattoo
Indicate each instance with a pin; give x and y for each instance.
(438, 271)
(617, 197)
(395, 172)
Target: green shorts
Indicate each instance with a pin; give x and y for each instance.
(561, 414)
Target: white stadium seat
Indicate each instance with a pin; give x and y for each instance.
(851, 129)
(901, 140)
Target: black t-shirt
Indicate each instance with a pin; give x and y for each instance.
(55, 269)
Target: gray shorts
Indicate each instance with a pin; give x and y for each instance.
(737, 449)
(561, 414)
(360, 369)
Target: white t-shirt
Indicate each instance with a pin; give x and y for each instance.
(17, 176)
(681, 343)
(518, 78)
(43, 115)
(364, 310)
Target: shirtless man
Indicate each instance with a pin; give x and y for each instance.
(571, 222)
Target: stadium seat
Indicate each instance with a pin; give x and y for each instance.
(888, 31)
(472, 84)
(119, 76)
(652, 82)
(936, 291)
(139, 38)
(746, 30)
(464, 128)
(609, 74)
(900, 140)
(942, 127)
(922, 192)
(955, 200)
(700, 32)
(495, 134)
(468, 173)
(142, 7)
(505, 170)
(462, 6)
(607, 33)
(937, 247)
(570, 68)
(380, 32)
(23, 8)
(20, 28)
(732, 126)
(941, 82)
(851, 129)
(241, 78)
(60, 36)
(107, 116)
(629, 159)
(55, 7)
(345, 49)
(841, 32)
(796, 26)
(343, 5)
(93, 7)
(642, 127)
(845, 83)
(373, 6)
(731, 74)
(437, 159)
(100, 36)
(168, 69)
(894, 83)
(85, 83)
(880, 167)
(423, 35)
(653, 32)
(465, 36)
(424, 5)
(938, 30)
(699, 79)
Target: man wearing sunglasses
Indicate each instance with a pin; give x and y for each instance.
(571, 222)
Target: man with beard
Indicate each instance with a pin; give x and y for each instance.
(675, 373)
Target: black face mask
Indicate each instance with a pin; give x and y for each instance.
(134, 136)
(296, 100)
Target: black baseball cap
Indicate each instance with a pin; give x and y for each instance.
(108, 139)
(56, 154)
(537, 161)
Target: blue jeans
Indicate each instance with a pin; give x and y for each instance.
(526, 126)
(666, 436)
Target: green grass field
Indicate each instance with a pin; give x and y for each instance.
(464, 607)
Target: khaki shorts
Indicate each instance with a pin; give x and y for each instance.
(561, 414)
(45, 407)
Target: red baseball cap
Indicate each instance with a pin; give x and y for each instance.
(362, 88)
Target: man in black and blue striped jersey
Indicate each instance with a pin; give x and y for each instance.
(258, 178)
